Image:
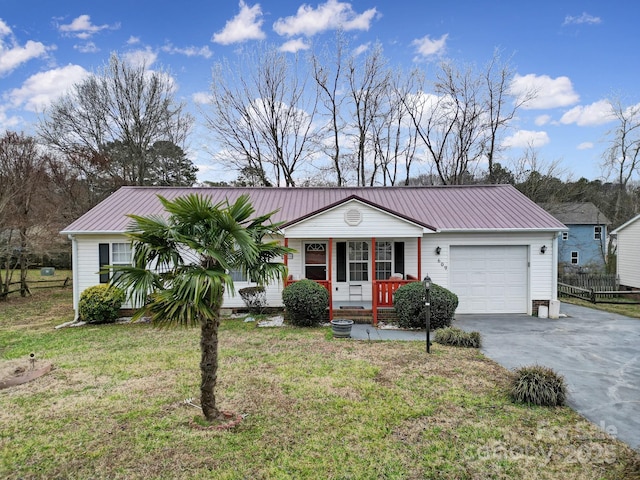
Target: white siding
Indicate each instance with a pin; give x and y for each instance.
(629, 255)
(541, 278)
(88, 264)
(374, 223)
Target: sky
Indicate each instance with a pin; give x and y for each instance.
(576, 54)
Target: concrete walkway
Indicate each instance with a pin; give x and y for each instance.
(598, 353)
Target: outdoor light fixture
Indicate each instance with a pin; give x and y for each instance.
(543, 249)
(427, 307)
(438, 250)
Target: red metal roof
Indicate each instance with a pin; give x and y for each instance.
(443, 208)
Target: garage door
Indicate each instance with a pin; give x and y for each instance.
(490, 279)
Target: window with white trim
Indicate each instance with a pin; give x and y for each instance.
(384, 260)
(597, 232)
(565, 235)
(358, 261)
(315, 261)
(120, 254)
(574, 258)
(113, 254)
(238, 275)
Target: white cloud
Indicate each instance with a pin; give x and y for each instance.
(12, 55)
(332, 15)
(426, 47)
(359, 50)
(584, 18)
(585, 146)
(294, 45)
(88, 47)
(550, 92)
(81, 27)
(146, 57)
(526, 138)
(598, 113)
(542, 120)
(39, 90)
(133, 40)
(202, 98)
(247, 25)
(188, 51)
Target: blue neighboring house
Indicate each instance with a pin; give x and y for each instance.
(584, 245)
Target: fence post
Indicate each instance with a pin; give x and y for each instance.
(593, 295)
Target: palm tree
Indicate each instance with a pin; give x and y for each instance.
(181, 265)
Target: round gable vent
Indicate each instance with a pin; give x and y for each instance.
(353, 217)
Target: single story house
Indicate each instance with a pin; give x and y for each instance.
(584, 244)
(489, 244)
(628, 252)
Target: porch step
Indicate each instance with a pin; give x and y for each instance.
(359, 315)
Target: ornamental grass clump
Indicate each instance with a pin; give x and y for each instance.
(538, 385)
(456, 337)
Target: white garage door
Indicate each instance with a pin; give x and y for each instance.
(490, 279)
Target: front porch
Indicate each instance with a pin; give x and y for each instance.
(345, 268)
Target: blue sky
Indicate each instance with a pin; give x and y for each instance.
(575, 53)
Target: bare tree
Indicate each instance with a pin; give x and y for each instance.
(328, 80)
(394, 136)
(369, 82)
(261, 117)
(622, 157)
(123, 104)
(22, 180)
(500, 108)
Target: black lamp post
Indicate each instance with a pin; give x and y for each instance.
(427, 307)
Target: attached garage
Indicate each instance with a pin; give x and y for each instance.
(490, 279)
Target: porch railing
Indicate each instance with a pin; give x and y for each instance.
(383, 291)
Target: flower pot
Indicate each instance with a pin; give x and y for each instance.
(341, 328)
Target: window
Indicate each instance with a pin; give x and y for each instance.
(238, 275)
(384, 260)
(597, 232)
(315, 261)
(358, 261)
(565, 235)
(113, 254)
(574, 258)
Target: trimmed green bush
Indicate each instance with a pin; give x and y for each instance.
(100, 304)
(538, 385)
(305, 303)
(408, 302)
(255, 298)
(457, 337)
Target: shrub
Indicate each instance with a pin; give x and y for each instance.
(538, 385)
(100, 304)
(456, 337)
(410, 309)
(305, 303)
(255, 298)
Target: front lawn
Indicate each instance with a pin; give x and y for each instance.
(114, 407)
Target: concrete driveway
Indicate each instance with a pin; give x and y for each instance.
(598, 353)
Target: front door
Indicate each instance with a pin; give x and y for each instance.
(315, 261)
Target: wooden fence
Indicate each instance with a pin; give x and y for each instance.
(596, 288)
(38, 284)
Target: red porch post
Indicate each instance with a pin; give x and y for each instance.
(374, 293)
(286, 261)
(419, 258)
(329, 260)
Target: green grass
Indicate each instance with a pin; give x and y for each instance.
(113, 407)
(628, 309)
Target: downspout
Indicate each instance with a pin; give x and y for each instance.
(75, 275)
(554, 259)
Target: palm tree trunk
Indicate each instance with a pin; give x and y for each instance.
(209, 367)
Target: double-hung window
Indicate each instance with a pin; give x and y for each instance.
(115, 254)
(358, 261)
